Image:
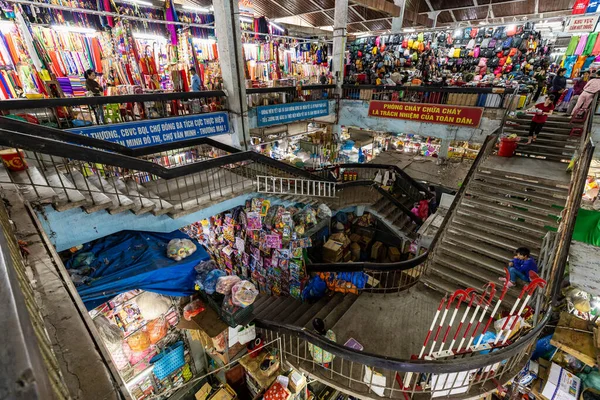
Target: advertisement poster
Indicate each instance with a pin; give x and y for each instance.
(432, 113)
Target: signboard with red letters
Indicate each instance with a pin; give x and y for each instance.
(433, 113)
(584, 23)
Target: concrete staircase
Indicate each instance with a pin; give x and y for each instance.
(553, 143)
(500, 211)
(291, 311)
(393, 215)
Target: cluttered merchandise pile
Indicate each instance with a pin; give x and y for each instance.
(477, 50)
(260, 242)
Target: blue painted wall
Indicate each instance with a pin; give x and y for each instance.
(355, 113)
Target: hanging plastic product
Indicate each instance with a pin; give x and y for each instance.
(243, 293)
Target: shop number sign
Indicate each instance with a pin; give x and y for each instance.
(433, 113)
(285, 113)
(582, 24)
(159, 131)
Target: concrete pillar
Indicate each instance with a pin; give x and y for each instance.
(397, 21)
(227, 21)
(444, 147)
(339, 49)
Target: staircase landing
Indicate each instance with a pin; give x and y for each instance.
(543, 170)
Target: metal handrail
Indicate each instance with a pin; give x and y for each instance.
(101, 100)
(280, 89)
(441, 89)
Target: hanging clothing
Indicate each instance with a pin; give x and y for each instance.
(581, 44)
(572, 46)
(577, 67)
(591, 42)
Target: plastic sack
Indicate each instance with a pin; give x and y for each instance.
(192, 309)
(315, 289)
(110, 333)
(157, 329)
(139, 341)
(243, 293)
(178, 249)
(488, 337)
(135, 357)
(225, 283)
(323, 211)
(500, 323)
(152, 305)
(210, 283)
(202, 271)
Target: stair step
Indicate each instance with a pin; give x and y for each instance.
(268, 306)
(311, 312)
(439, 283)
(120, 202)
(259, 300)
(33, 186)
(69, 197)
(512, 211)
(546, 149)
(477, 260)
(525, 184)
(532, 207)
(478, 213)
(561, 124)
(479, 247)
(541, 155)
(536, 196)
(297, 313)
(558, 135)
(160, 206)
(142, 204)
(96, 200)
(495, 234)
(462, 273)
(278, 312)
(334, 316)
(323, 312)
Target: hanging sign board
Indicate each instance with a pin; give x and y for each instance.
(285, 113)
(432, 113)
(592, 7)
(159, 131)
(580, 7)
(584, 23)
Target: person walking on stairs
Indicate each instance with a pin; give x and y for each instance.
(541, 110)
(559, 85)
(577, 90)
(586, 97)
(321, 357)
(520, 266)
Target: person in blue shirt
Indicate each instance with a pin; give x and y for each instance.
(520, 266)
(196, 83)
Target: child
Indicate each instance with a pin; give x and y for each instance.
(520, 266)
(542, 110)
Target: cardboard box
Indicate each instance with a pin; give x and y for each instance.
(394, 254)
(378, 251)
(297, 382)
(561, 384)
(340, 237)
(332, 250)
(355, 237)
(225, 392)
(203, 393)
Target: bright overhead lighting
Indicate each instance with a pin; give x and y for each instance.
(409, 30)
(76, 29)
(481, 23)
(204, 41)
(326, 28)
(140, 2)
(245, 19)
(197, 9)
(363, 34)
(276, 26)
(149, 36)
(548, 24)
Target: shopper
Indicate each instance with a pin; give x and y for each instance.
(559, 84)
(196, 83)
(577, 90)
(323, 78)
(542, 110)
(396, 77)
(520, 266)
(433, 201)
(586, 97)
(321, 357)
(540, 78)
(91, 85)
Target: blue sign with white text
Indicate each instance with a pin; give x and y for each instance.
(285, 113)
(159, 131)
(592, 6)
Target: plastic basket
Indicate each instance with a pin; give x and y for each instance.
(168, 361)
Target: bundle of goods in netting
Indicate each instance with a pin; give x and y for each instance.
(178, 249)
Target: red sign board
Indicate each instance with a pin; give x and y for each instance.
(432, 113)
(580, 6)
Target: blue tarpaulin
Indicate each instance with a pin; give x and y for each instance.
(134, 260)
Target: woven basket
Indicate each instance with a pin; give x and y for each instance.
(168, 361)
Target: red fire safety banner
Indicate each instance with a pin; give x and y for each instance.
(433, 113)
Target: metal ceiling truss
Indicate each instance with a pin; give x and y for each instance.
(473, 6)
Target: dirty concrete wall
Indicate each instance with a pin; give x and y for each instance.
(355, 113)
(584, 264)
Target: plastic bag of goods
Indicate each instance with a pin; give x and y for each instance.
(152, 305)
(178, 249)
(324, 212)
(202, 271)
(157, 329)
(109, 332)
(139, 341)
(192, 309)
(243, 293)
(520, 323)
(225, 283)
(210, 283)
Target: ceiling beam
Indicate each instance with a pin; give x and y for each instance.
(537, 7)
(359, 16)
(383, 6)
(480, 5)
(452, 15)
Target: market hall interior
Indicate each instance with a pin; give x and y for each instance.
(355, 199)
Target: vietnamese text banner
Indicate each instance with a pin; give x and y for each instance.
(582, 24)
(433, 113)
(159, 131)
(285, 113)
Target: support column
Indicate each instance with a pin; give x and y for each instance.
(339, 49)
(229, 44)
(397, 21)
(444, 147)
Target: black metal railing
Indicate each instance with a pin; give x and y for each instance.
(288, 94)
(489, 97)
(79, 112)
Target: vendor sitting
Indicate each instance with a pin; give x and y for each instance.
(520, 266)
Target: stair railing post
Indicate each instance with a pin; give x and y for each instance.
(58, 174)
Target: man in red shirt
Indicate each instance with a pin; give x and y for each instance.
(541, 110)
